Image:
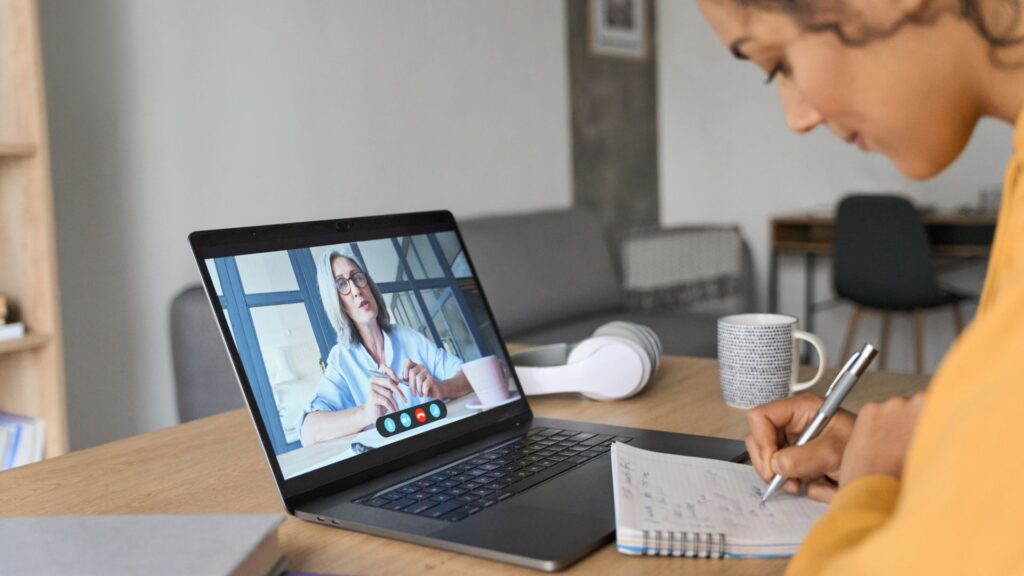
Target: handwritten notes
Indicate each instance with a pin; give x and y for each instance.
(684, 495)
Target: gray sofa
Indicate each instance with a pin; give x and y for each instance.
(556, 276)
(549, 277)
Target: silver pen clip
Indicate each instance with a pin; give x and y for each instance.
(846, 368)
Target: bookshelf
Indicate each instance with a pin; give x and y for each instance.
(31, 368)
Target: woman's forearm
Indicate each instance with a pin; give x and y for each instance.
(326, 425)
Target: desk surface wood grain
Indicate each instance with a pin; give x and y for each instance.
(216, 465)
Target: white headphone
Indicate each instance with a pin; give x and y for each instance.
(615, 363)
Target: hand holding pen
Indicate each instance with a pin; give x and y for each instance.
(775, 428)
(837, 392)
(777, 425)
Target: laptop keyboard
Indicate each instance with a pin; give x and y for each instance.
(457, 490)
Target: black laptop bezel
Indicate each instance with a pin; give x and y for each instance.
(346, 473)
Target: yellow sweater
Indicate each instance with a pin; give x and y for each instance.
(959, 508)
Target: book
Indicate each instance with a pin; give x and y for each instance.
(154, 545)
(12, 331)
(672, 505)
(8, 444)
(28, 440)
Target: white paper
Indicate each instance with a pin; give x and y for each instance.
(682, 494)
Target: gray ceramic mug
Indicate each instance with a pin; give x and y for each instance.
(758, 361)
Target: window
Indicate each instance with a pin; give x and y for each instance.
(264, 273)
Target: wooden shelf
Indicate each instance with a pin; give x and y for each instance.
(28, 342)
(17, 149)
(32, 367)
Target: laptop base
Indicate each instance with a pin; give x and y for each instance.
(547, 527)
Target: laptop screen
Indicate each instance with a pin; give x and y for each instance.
(355, 345)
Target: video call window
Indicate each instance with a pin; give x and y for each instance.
(283, 334)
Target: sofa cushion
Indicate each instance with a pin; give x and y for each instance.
(543, 268)
(681, 333)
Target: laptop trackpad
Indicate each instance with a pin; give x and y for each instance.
(585, 490)
(520, 529)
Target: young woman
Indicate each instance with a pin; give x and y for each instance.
(927, 485)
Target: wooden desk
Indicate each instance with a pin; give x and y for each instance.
(950, 234)
(216, 465)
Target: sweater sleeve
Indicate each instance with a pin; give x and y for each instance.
(856, 511)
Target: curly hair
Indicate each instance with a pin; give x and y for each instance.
(995, 21)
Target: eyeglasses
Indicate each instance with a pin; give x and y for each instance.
(344, 285)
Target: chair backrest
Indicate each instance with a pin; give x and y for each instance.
(881, 256)
(203, 376)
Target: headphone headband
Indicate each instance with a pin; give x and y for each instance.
(615, 363)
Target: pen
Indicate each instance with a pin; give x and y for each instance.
(382, 374)
(835, 395)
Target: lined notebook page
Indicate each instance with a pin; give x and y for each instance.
(682, 495)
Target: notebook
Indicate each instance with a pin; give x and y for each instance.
(671, 505)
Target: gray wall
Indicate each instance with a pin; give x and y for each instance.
(167, 117)
(727, 155)
(614, 127)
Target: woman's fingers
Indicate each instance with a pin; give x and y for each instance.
(410, 371)
(387, 389)
(383, 400)
(821, 490)
(817, 458)
(407, 365)
(391, 373)
(391, 387)
(394, 381)
(761, 465)
(389, 401)
(420, 379)
(772, 424)
(878, 444)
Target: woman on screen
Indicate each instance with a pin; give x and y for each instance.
(925, 485)
(350, 397)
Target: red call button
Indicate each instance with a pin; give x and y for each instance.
(421, 415)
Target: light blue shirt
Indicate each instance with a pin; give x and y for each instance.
(346, 380)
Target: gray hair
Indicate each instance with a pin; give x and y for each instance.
(331, 299)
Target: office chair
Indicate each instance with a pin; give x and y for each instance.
(882, 263)
(203, 376)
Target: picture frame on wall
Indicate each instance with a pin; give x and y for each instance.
(618, 28)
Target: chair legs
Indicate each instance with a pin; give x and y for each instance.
(958, 318)
(918, 320)
(883, 342)
(851, 331)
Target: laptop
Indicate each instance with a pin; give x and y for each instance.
(349, 339)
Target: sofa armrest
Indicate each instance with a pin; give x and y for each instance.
(701, 268)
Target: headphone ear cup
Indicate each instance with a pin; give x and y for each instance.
(625, 381)
(651, 337)
(639, 333)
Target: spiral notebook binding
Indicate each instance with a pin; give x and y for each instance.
(689, 544)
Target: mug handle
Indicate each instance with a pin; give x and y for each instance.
(819, 346)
